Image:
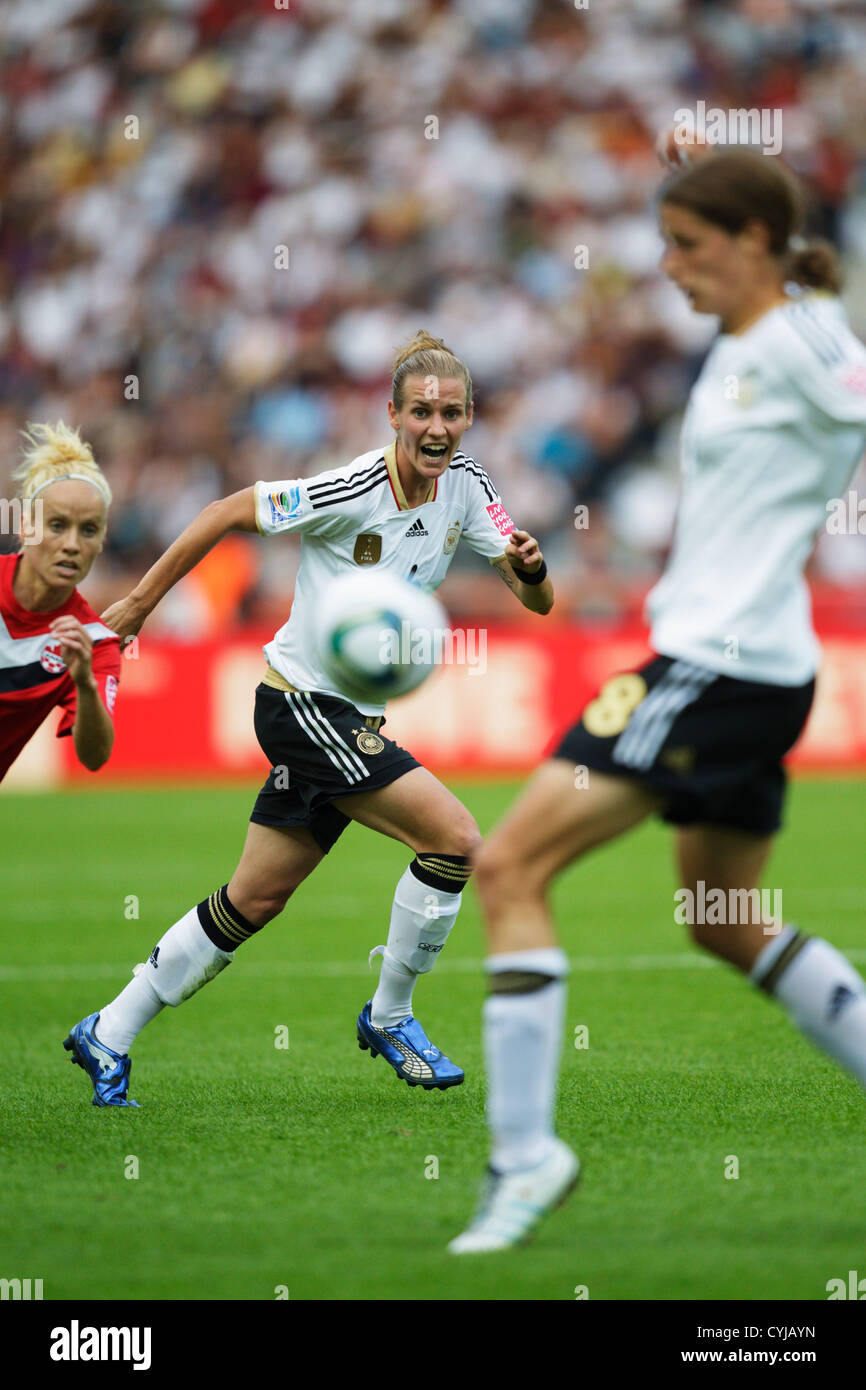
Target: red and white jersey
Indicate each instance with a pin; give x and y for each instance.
(33, 678)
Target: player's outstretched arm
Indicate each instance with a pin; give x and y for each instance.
(523, 557)
(234, 513)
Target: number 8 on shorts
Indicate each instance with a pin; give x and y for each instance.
(614, 705)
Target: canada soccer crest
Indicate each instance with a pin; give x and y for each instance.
(51, 660)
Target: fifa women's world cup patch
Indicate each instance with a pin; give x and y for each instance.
(500, 518)
(285, 506)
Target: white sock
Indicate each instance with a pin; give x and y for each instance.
(392, 1001)
(121, 1021)
(522, 1044)
(182, 961)
(421, 918)
(823, 993)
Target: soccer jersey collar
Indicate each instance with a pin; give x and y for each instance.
(25, 616)
(397, 486)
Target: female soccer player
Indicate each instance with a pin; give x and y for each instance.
(53, 648)
(402, 508)
(774, 428)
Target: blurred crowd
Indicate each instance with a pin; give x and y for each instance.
(219, 218)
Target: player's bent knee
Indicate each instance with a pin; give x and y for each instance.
(462, 838)
(261, 907)
(714, 940)
(501, 871)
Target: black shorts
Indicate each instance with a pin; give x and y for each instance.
(320, 749)
(709, 745)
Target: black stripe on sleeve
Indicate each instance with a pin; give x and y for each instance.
(334, 501)
(338, 484)
(478, 472)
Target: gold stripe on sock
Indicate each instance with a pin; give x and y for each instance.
(225, 921)
(458, 872)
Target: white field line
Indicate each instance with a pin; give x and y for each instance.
(330, 970)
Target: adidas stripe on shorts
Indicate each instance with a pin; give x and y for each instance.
(320, 748)
(710, 746)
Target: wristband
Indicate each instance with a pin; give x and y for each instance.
(527, 577)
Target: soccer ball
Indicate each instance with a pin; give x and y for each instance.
(378, 636)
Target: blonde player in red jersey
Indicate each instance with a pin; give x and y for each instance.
(53, 648)
(775, 426)
(403, 508)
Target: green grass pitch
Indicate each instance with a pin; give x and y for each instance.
(309, 1168)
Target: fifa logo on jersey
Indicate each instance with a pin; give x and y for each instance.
(368, 549)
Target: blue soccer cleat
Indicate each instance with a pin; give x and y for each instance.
(409, 1051)
(108, 1071)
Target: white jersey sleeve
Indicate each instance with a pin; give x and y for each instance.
(487, 525)
(823, 359)
(327, 505)
(283, 506)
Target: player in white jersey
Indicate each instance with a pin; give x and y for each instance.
(404, 509)
(774, 429)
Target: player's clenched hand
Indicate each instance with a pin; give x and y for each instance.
(522, 550)
(125, 618)
(677, 149)
(76, 648)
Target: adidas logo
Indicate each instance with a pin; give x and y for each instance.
(416, 529)
(153, 957)
(841, 996)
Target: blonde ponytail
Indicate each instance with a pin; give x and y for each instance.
(53, 454)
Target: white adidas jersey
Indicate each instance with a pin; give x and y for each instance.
(359, 515)
(775, 427)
